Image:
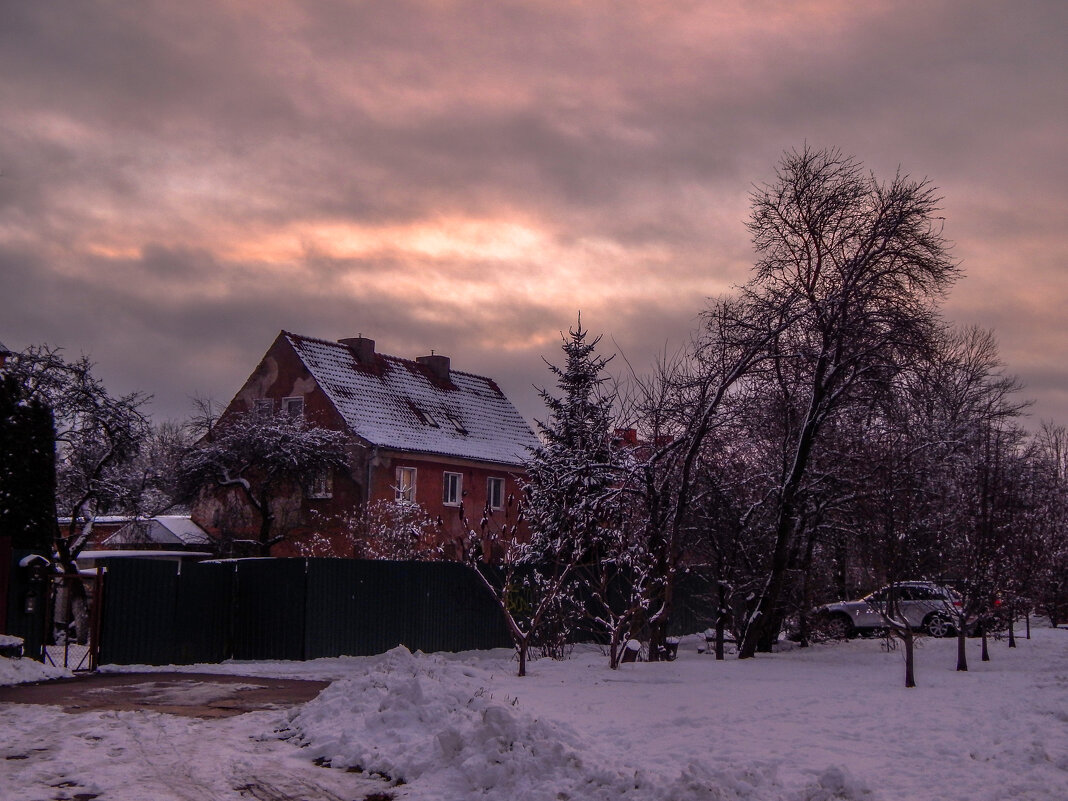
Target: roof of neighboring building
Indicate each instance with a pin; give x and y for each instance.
(400, 404)
(160, 530)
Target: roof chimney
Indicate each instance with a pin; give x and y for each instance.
(362, 348)
(437, 365)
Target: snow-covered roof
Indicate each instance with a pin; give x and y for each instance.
(161, 530)
(184, 529)
(100, 520)
(400, 404)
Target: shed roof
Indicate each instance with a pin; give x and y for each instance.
(402, 405)
(160, 530)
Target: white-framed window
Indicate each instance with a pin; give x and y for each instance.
(453, 489)
(495, 493)
(263, 407)
(294, 407)
(404, 489)
(322, 484)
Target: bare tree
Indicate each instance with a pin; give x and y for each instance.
(533, 585)
(97, 438)
(268, 461)
(863, 263)
(1043, 557)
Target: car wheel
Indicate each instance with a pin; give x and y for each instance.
(839, 627)
(938, 626)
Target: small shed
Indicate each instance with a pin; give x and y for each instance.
(166, 531)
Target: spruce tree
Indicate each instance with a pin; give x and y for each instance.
(570, 474)
(27, 469)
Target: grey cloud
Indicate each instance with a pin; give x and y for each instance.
(155, 123)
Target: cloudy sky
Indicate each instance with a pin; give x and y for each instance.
(180, 180)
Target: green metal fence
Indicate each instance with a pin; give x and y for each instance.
(171, 613)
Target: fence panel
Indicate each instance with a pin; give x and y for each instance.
(333, 615)
(204, 613)
(269, 609)
(138, 620)
(695, 602)
(453, 611)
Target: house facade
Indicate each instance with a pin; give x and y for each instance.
(420, 433)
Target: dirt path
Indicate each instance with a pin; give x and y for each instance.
(165, 737)
(201, 695)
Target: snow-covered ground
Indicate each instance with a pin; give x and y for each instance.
(830, 722)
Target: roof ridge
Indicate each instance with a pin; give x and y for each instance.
(415, 361)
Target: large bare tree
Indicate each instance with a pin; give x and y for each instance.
(863, 264)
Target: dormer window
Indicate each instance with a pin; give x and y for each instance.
(423, 415)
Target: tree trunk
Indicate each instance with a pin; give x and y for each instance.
(658, 627)
(762, 628)
(266, 523)
(986, 649)
(521, 649)
(721, 619)
(615, 647)
(962, 654)
(910, 658)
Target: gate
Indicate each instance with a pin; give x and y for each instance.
(57, 646)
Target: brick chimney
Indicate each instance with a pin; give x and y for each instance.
(362, 348)
(437, 365)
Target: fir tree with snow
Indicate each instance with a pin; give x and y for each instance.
(571, 475)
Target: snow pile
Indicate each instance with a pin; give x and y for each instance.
(21, 670)
(429, 720)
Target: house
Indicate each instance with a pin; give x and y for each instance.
(420, 432)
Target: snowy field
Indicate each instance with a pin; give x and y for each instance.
(830, 722)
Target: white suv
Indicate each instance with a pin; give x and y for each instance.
(925, 606)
